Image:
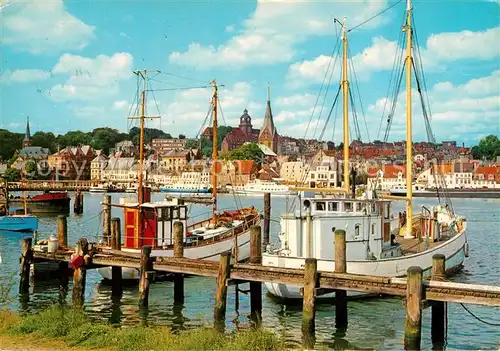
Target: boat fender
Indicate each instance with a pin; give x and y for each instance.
(87, 259)
(466, 249)
(77, 262)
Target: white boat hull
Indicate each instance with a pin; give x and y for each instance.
(209, 252)
(453, 250)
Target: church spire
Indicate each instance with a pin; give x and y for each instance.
(27, 135)
(268, 134)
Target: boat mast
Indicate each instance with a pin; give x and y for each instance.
(214, 155)
(409, 142)
(345, 95)
(140, 194)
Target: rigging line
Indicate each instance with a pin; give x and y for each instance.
(359, 94)
(355, 115)
(390, 116)
(184, 88)
(221, 112)
(210, 110)
(430, 136)
(330, 114)
(421, 65)
(154, 98)
(480, 319)
(164, 82)
(375, 16)
(326, 93)
(394, 69)
(182, 77)
(322, 84)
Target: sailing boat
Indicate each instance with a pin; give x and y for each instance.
(17, 222)
(151, 223)
(372, 247)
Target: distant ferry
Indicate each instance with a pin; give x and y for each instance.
(400, 190)
(260, 187)
(182, 188)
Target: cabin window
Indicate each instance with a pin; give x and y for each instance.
(320, 206)
(373, 228)
(374, 209)
(358, 207)
(348, 206)
(175, 213)
(182, 213)
(356, 230)
(149, 214)
(333, 206)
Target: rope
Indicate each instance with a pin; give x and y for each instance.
(375, 16)
(479, 319)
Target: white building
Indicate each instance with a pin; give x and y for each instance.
(324, 176)
(294, 171)
(97, 166)
(387, 177)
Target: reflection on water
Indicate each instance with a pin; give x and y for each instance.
(374, 323)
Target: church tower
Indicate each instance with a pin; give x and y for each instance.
(27, 135)
(246, 123)
(268, 135)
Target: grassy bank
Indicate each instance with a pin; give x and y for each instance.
(69, 328)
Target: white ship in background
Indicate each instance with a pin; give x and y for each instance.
(260, 187)
(378, 242)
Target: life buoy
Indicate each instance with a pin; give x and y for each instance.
(77, 262)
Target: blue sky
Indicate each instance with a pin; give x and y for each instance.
(68, 65)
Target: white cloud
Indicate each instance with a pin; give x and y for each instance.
(43, 27)
(229, 28)
(24, 76)
(271, 33)
(440, 49)
(120, 104)
(90, 78)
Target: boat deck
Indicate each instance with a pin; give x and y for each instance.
(415, 245)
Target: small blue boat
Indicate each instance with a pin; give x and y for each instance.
(186, 190)
(19, 223)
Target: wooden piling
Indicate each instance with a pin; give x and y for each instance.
(309, 302)
(116, 272)
(413, 320)
(256, 287)
(62, 230)
(25, 262)
(106, 223)
(178, 253)
(438, 313)
(221, 290)
(145, 276)
(340, 267)
(81, 202)
(76, 204)
(80, 273)
(267, 218)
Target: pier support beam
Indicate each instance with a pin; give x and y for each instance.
(178, 253)
(256, 287)
(438, 320)
(309, 303)
(78, 204)
(267, 219)
(340, 267)
(146, 275)
(413, 320)
(79, 272)
(62, 230)
(106, 223)
(25, 262)
(221, 290)
(116, 244)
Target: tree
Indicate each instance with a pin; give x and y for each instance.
(191, 144)
(488, 148)
(12, 175)
(45, 140)
(9, 143)
(182, 136)
(31, 170)
(248, 151)
(149, 134)
(106, 138)
(73, 138)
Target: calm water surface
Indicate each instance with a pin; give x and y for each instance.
(373, 324)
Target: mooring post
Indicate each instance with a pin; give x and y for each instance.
(62, 230)
(309, 302)
(79, 272)
(76, 204)
(145, 276)
(116, 244)
(81, 202)
(25, 261)
(438, 320)
(221, 290)
(256, 287)
(413, 320)
(340, 267)
(178, 253)
(106, 223)
(267, 219)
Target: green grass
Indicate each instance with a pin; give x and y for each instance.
(73, 328)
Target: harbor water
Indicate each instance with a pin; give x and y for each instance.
(373, 324)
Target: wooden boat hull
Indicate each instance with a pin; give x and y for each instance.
(454, 250)
(19, 223)
(59, 205)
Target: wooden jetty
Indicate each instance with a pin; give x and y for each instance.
(418, 293)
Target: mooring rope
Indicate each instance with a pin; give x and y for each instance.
(479, 319)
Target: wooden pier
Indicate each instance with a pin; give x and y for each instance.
(418, 293)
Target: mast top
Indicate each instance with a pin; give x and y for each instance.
(408, 5)
(344, 27)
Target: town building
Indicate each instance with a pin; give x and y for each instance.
(175, 161)
(294, 172)
(387, 177)
(324, 175)
(72, 162)
(29, 153)
(164, 146)
(268, 135)
(242, 134)
(97, 166)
